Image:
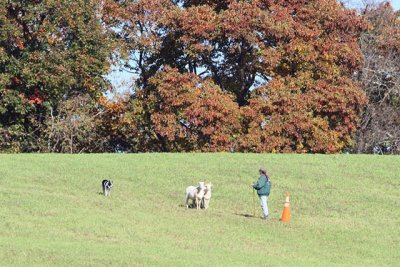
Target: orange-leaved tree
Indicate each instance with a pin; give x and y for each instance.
(287, 64)
(180, 112)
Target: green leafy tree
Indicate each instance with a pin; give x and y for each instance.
(49, 50)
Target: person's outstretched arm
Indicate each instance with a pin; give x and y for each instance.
(260, 183)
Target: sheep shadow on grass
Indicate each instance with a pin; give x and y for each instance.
(191, 206)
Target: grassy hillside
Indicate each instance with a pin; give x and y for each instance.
(345, 211)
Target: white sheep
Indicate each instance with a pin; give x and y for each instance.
(207, 196)
(191, 192)
(200, 195)
(196, 194)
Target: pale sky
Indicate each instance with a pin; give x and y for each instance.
(123, 80)
(395, 3)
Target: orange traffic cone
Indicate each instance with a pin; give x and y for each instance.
(286, 210)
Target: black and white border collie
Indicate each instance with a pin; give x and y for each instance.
(106, 185)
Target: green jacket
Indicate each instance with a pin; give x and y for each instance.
(263, 186)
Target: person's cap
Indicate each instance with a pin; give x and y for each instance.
(264, 170)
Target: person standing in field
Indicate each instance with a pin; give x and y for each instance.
(263, 187)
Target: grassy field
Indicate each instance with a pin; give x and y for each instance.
(345, 211)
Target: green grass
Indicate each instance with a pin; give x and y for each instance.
(345, 211)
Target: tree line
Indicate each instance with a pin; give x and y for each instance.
(211, 75)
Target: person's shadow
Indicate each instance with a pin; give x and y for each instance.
(246, 215)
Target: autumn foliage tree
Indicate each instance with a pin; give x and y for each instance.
(288, 65)
(117, 125)
(211, 75)
(181, 112)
